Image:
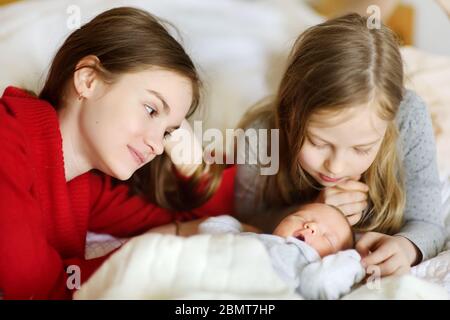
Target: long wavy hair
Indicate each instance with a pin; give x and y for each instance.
(124, 40)
(334, 66)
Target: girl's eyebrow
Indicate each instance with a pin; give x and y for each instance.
(359, 145)
(161, 98)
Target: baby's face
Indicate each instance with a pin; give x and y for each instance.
(322, 227)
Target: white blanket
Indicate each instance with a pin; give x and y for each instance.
(405, 287)
(155, 266)
(224, 266)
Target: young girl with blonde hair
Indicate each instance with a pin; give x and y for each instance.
(350, 135)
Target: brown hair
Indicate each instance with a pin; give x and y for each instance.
(332, 66)
(125, 40)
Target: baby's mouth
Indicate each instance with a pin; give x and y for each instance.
(299, 236)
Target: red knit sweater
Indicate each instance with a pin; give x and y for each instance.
(44, 220)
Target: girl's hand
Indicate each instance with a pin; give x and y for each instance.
(250, 228)
(185, 229)
(189, 228)
(169, 228)
(184, 149)
(392, 255)
(350, 196)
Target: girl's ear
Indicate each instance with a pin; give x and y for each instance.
(85, 77)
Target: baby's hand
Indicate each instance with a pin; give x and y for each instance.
(350, 196)
(332, 277)
(386, 255)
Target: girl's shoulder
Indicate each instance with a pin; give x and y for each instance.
(414, 124)
(258, 116)
(412, 110)
(27, 123)
(14, 153)
(258, 124)
(11, 130)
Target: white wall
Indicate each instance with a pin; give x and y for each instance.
(432, 26)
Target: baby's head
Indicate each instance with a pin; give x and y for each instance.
(323, 227)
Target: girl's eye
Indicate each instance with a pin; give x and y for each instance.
(151, 111)
(318, 146)
(364, 152)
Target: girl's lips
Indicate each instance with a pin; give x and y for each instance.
(328, 179)
(136, 155)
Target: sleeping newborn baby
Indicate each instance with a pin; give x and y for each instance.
(310, 249)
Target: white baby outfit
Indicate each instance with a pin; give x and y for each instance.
(298, 264)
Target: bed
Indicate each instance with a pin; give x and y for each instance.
(226, 38)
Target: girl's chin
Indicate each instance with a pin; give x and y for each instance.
(121, 173)
(122, 176)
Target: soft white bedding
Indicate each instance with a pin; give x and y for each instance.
(155, 266)
(239, 47)
(225, 266)
(437, 269)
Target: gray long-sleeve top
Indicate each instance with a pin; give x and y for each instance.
(423, 223)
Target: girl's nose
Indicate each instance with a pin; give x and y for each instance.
(335, 165)
(154, 139)
(158, 148)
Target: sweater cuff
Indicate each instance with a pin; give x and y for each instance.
(429, 238)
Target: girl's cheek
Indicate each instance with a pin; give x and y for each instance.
(141, 127)
(310, 158)
(363, 165)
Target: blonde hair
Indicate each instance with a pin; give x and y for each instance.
(333, 66)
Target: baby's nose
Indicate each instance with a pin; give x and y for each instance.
(311, 228)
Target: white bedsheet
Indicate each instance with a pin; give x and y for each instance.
(437, 269)
(155, 266)
(225, 266)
